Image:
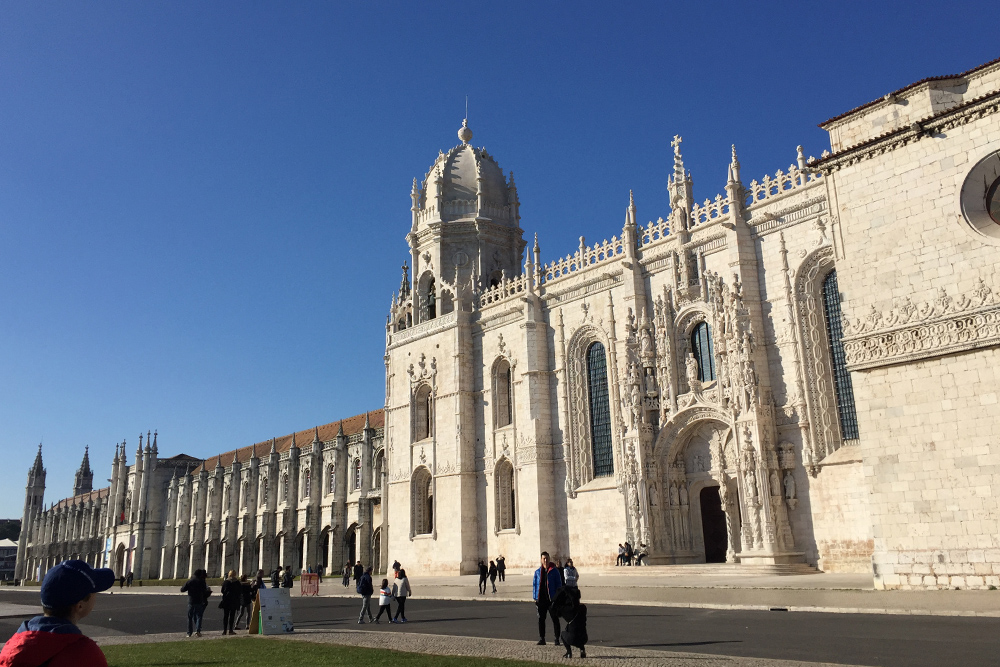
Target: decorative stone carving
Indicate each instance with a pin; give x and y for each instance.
(908, 332)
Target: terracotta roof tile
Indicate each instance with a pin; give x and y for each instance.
(327, 432)
(84, 497)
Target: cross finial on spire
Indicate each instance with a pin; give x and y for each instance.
(676, 143)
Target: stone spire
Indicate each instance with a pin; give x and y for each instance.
(340, 432)
(37, 468)
(156, 452)
(734, 168)
(273, 442)
(83, 481)
(218, 462)
(404, 285)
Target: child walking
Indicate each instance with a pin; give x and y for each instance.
(384, 595)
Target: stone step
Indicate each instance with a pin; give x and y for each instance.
(708, 569)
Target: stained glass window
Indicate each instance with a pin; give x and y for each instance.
(841, 378)
(600, 411)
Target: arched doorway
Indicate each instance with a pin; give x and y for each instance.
(352, 544)
(324, 557)
(120, 560)
(713, 525)
(377, 551)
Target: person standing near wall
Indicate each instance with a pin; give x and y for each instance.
(501, 568)
(347, 574)
(198, 594)
(232, 599)
(544, 586)
(571, 574)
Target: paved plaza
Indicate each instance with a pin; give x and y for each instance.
(655, 619)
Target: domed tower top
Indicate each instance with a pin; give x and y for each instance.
(465, 183)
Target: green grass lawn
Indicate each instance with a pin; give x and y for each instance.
(255, 651)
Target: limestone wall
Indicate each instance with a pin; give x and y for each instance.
(913, 271)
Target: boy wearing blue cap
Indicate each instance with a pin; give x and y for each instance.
(69, 592)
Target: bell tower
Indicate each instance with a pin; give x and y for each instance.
(34, 493)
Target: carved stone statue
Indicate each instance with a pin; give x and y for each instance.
(673, 495)
(692, 371)
(789, 486)
(775, 485)
(684, 494)
(645, 344)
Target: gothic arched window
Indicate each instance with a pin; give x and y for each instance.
(422, 413)
(600, 411)
(307, 484)
(505, 495)
(503, 409)
(841, 377)
(246, 495)
(263, 491)
(701, 347)
(332, 479)
(284, 487)
(422, 502)
(357, 474)
(431, 300)
(377, 474)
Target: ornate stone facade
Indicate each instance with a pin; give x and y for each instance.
(307, 498)
(732, 338)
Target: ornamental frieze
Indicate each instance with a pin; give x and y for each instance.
(909, 331)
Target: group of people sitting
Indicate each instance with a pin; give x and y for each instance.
(626, 553)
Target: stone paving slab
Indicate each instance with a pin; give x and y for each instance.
(828, 593)
(9, 610)
(599, 656)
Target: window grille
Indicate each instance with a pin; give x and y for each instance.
(600, 411)
(841, 377)
(502, 402)
(701, 346)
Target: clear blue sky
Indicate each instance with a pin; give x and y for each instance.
(203, 204)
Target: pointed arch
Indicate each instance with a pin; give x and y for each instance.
(503, 407)
(505, 495)
(592, 408)
(421, 502)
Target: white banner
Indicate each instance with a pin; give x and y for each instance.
(275, 611)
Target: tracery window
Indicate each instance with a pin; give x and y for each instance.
(422, 502)
(841, 377)
(307, 484)
(701, 347)
(505, 495)
(600, 411)
(263, 491)
(332, 479)
(422, 413)
(357, 474)
(502, 394)
(246, 495)
(284, 487)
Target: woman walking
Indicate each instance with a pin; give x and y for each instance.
(246, 601)
(483, 573)
(401, 591)
(232, 599)
(493, 576)
(384, 595)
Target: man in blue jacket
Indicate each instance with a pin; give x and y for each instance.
(543, 588)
